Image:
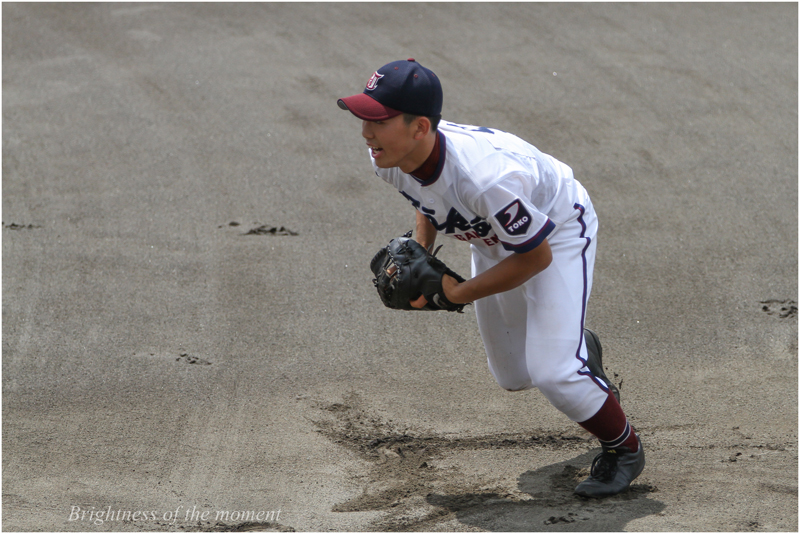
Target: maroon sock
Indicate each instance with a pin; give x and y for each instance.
(611, 426)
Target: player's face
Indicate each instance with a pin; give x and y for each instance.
(393, 143)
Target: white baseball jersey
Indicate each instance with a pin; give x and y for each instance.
(492, 190)
(500, 194)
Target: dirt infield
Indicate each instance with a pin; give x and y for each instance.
(191, 339)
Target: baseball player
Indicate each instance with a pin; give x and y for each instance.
(531, 229)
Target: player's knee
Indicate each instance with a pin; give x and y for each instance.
(518, 387)
(510, 384)
(550, 379)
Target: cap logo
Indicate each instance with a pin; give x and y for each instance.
(373, 81)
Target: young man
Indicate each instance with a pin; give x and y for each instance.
(531, 228)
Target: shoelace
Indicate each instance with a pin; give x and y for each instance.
(604, 466)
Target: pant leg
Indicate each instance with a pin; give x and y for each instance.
(502, 323)
(534, 334)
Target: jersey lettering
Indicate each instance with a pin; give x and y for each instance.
(455, 220)
(455, 223)
(414, 202)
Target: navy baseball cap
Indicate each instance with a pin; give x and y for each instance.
(398, 87)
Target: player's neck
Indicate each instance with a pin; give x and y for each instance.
(427, 170)
(420, 154)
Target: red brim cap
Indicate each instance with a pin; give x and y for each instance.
(367, 108)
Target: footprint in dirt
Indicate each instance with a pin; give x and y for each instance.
(191, 360)
(15, 226)
(784, 309)
(262, 229)
(265, 229)
(181, 357)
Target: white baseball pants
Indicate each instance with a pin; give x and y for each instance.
(533, 334)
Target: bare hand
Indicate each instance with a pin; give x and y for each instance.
(420, 302)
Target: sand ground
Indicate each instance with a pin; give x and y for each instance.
(189, 327)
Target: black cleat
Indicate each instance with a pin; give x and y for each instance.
(613, 470)
(595, 359)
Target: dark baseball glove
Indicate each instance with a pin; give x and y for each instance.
(404, 270)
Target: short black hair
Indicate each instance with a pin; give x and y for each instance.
(409, 118)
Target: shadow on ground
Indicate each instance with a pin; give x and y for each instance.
(552, 506)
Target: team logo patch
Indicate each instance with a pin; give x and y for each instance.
(373, 81)
(514, 218)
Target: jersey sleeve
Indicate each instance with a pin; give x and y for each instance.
(518, 224)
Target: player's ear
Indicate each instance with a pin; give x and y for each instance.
(422, 127)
